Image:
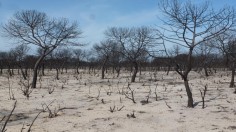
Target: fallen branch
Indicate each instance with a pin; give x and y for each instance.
(29, 130)
(167, 105)
(120, 108)
(5, 124)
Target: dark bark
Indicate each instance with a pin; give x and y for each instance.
(135, 71)
(140, 69)
(189, 93)
(77, 68)
(12, 71)
(9, 70)
(168, 70)
(57, 75)
(113, 69)
(1, 67)
(35, 72)
(43, 67)
(22, 72)
(103, 67)
(26, 71)
(232, 76)
(206, 72)
(184, 76)
(62, 70)
(118, 71)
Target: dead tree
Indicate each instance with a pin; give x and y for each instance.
(227, 44)
(36, 28)
(204, 57)
(20, 53)
(78, 55)
(188, 25)
(104, 51)
(203, 94)
(133, 43)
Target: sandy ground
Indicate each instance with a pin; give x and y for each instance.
(85, 105)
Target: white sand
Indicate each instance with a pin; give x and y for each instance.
(84, 112)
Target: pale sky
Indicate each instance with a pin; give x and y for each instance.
(93, 16)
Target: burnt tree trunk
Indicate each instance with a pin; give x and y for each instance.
(57, 75)
(135, 71)
(140, 69)
(77, 67)
(12, 71)
(1, 70)
(35, 70)
(22, 72)
(118, 71)
(103, 67)
(9, 70)
(184, 75)
(168, 70)
(206, 72)
(43, 67)
(189, 93)
(232, 76)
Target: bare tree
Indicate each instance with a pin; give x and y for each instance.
(20, 53)
(104, 51)
(59, 59)
(204, 57)
(133, 43)
(36, 28)
(78, 55)
(3, 60)
(188, 24)
(117, 59)
(227, 45)
(64, 54)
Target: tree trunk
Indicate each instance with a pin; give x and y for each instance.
(35, 74)
(168, 70)
(12, 71)
(9, 70)
(135, 71)
(26, 71)
(205, 70)
(57, 75)
(189, 93)
(232, 76)
(118, 71)
(185, 77)
(77, 67)
(89, 69)
(103, 67)
(22, 72)
(140, 69)
(62, 70)
(113, 69)
(43, 67)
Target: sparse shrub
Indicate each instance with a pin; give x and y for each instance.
(25, 87)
